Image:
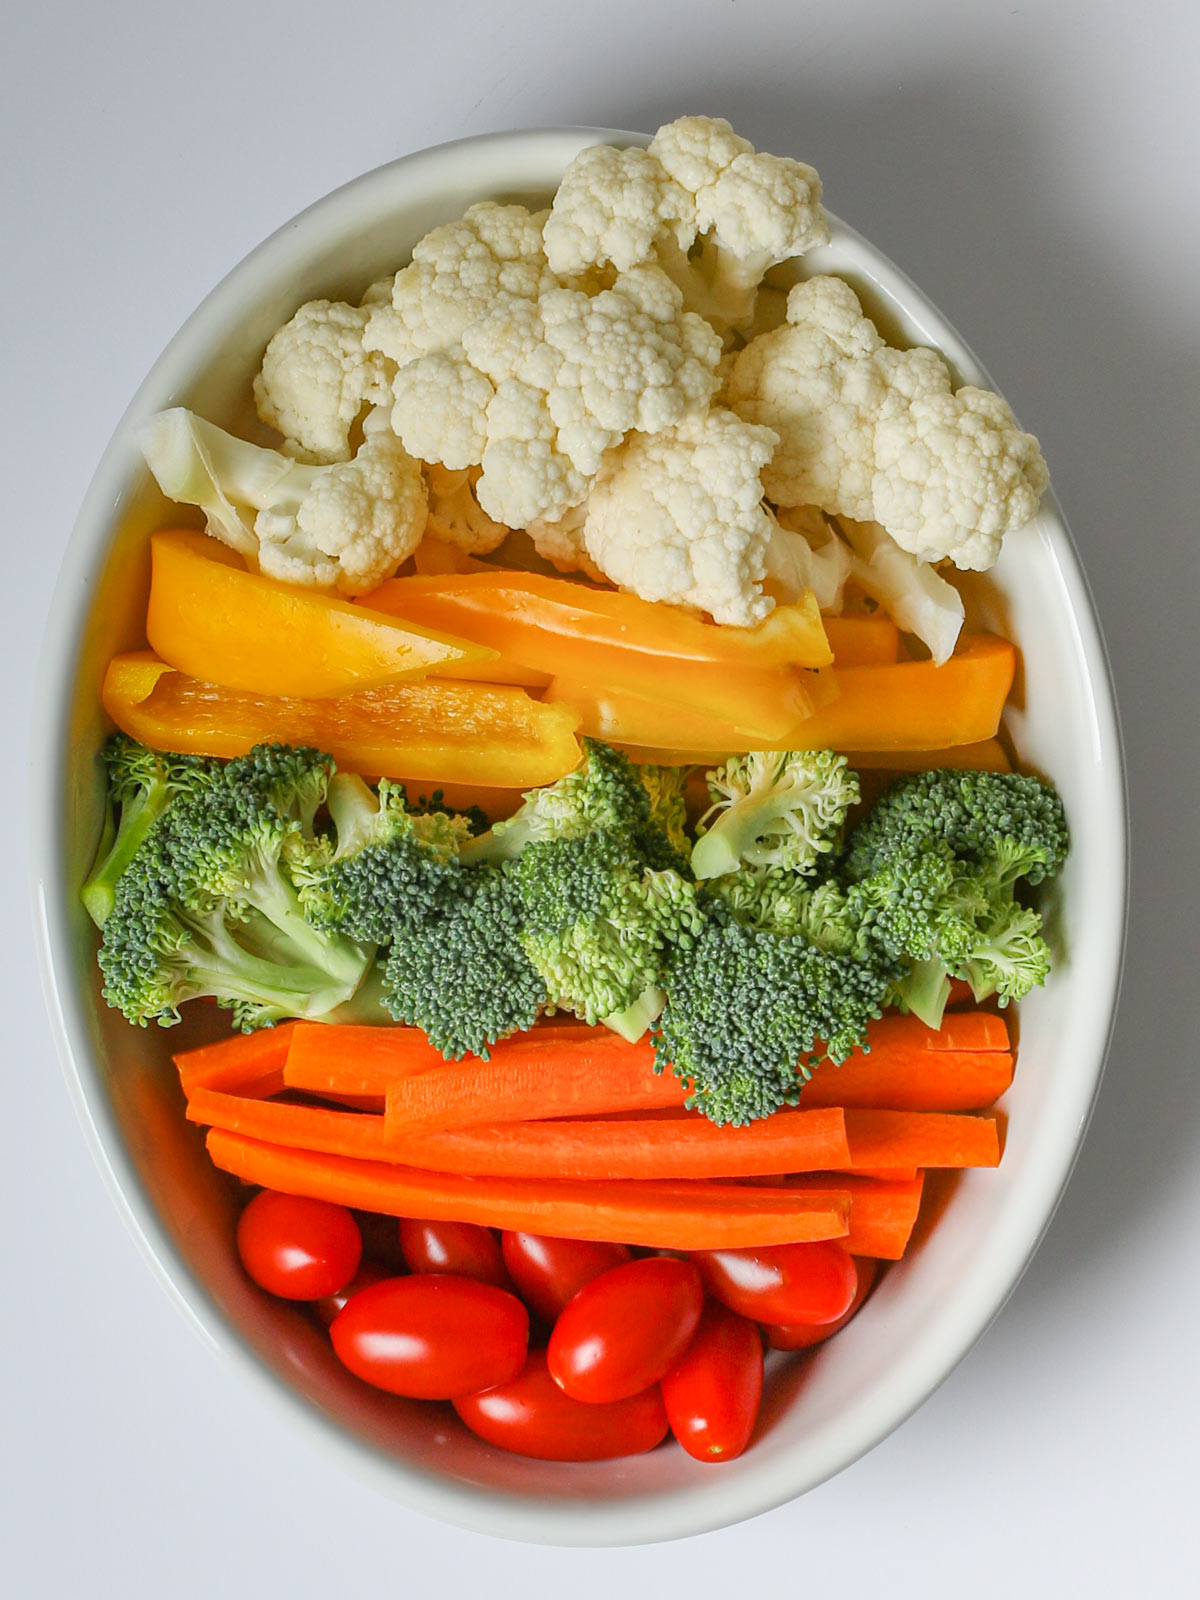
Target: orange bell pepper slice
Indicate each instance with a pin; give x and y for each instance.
(431, 730)
(212, 619)
(557, 626)
(904, 706)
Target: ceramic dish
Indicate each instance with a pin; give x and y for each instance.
(821, 1412)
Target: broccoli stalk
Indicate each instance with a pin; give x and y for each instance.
(141, 785)
(773, 809)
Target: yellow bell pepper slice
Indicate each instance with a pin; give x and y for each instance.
(903, 706)
(430, 731)
(862, 641)
(212, 619)
(743, 675)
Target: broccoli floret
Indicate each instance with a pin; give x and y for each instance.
(598, 922)
(750, 1013)
(771, 900)
(387, 868)
(931, 875)
(1008, 823)
(604, 791)
(210, 903)
(462, 974)
(475, 817)
(774, 808)
(141, 785)
(668, 811)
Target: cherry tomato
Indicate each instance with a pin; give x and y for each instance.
(782, 1283)
(380, 1243)
(531, 1416)
(328, 1306)
(432, 1336)
(712, 1395)
(297, 1248)
(550, 1272)
(462, 1248)
(624, 1329)
(800, 1337)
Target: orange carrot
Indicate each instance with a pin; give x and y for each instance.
(882, 1214)
(246, 1063)
(924, 1080)
(967, 1031)
(665, 1216)
(527, 1079)
(921, 1139)
(342, 1133)
(679, 1144)
(359, 1060)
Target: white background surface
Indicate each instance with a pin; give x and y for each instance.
(1034, 168)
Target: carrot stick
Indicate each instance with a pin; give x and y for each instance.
(968, 1031)
(921, 1139)
(663, 1216)
(244, 1062)
(884, 1174)
(882, 1214)
(343, 1133)
(925, 1080)
(359, 1060)
(675, 1145)
(530, 1080)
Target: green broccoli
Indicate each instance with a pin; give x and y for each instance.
(931, 872)
(210, 903)
(141, 785)
(750, 1013)
(598, 921)
(604, 791)
(774, 808)
(461, 973)
(668, 812)
(388, 867)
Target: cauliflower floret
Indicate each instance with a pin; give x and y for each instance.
(954, 474)
(615, 206)
(317, 379)
(877, 435)
(816, 383)
(460, 271)
(440, 409)
(537, 390)
(561, 543)
(625, 365)
(525, 476)
(698, 181)
(455, 515)
(752, 209)
(805, 553)
(346, 525)
(677, 516)
(914, 595)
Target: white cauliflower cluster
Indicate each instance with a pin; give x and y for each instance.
(877, 434)
(701, 202)
(502, 365)
(613, 376)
